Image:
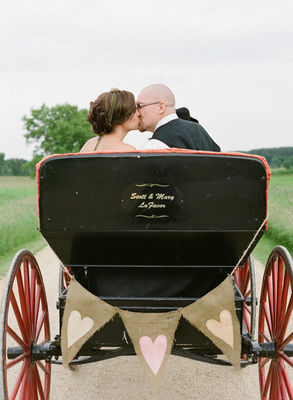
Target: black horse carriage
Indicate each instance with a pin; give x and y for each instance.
(149, 232)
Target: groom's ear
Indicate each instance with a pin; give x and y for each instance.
(162, 107)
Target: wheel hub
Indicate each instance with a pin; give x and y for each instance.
(269, 350)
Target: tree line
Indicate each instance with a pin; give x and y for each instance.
(278, 157)
(52, 130)
(63, 129)
(13, 166)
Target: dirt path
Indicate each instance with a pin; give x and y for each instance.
(123, 378)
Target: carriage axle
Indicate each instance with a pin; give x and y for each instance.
(52, 349)
(38, 352)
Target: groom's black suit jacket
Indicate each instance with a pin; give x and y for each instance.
(185, 135)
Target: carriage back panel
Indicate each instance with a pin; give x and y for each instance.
(129, 212)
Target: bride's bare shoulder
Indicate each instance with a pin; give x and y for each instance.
(128, 147)
(89, 145)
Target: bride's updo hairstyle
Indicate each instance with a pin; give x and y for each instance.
(110, 109)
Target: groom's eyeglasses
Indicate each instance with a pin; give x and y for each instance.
(140, 105)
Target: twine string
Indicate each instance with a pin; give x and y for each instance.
(249, 245)
(65, 270)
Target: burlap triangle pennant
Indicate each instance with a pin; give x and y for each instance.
(215, 316)
(152, 336)
(84, 314)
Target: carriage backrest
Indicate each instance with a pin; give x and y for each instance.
(167, 207)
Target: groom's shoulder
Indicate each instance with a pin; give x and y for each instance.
(184, 124)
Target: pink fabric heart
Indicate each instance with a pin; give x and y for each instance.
(153, 353)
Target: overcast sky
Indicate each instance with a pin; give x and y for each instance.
(230, 62)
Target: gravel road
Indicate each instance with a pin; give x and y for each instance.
(123, 378)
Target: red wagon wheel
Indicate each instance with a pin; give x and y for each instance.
(245, 281)
(24, 322)
(276, 326)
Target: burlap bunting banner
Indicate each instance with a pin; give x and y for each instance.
(152, 334)
(84, 314)
(214, 315)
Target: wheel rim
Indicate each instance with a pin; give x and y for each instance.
(276, 325)
(245, 281)
(25, 322)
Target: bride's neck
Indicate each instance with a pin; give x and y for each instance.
(118, 132)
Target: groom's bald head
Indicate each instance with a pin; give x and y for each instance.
(154, 102)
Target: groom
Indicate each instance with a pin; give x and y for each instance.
(157, 114)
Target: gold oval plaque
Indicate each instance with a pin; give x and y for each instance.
(152, 200)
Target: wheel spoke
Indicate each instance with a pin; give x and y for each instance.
(33, 389)
(263, 362)
(246, 295)
(247, 308)
(288, 339)
(27, 291)
(279, 291)
(16, 360)
(286, 319)
(287, 382)
(274, 297)
(283, 301)
(267, 318)
(26, 382)
(285, 358)
(244, 276)
(32, 295)
(273, 388)
(267, 382)
(15, 336)
(280, 381)
(43, 368)
(22, 301)
(264, 336)
(270, 315)
(37, 306)
(40, 325)
(282, 385)
(22, 327)
(246, 281)
(246, 321)
(39, 384)
(19, 380)
(276, 391)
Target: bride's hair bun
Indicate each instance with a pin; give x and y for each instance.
(123, 108)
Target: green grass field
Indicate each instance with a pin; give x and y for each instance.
(280, 221)
(19, 217)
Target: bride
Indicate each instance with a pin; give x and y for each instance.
(112, 115)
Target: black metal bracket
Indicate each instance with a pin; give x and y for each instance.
(102, 355)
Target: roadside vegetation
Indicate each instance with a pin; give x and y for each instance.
(18, 218)
(280, 210)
